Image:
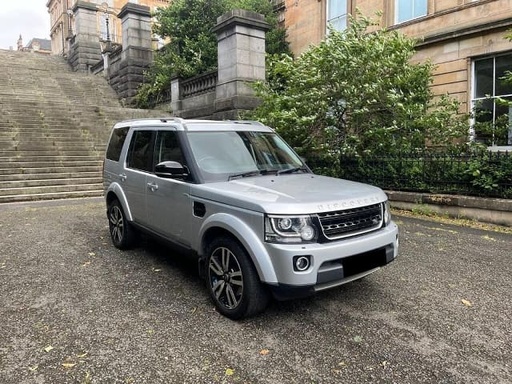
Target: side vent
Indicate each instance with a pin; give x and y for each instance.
(199, 209)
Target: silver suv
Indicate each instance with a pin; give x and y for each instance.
(233, 192)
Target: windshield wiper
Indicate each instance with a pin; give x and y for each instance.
(244, 174)
(292, 170)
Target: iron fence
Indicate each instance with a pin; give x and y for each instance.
(485, 174)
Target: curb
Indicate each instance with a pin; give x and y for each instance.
(488, 210)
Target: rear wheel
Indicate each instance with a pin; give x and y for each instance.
(232, 280)
(121, 231)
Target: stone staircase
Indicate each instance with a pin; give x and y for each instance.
(54, 126)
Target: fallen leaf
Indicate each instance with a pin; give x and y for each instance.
(48, 348)
(264, 352)
(358, 339)
(82, 355)
(230, 372)
(92, 254)
(467, 303)
(34, 368)
(68, 365)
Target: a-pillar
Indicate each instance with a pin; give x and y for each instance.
(241, 61)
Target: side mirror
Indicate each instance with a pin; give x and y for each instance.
(171, 170)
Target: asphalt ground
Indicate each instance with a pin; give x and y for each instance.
(74, 309)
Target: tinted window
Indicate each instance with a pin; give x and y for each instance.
(168, 148)
(139, 153)
(115, 146)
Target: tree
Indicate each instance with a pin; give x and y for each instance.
(357, 92)
(192, 49)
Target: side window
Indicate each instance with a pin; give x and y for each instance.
(168, 148)
(115, 146)
(139, 153)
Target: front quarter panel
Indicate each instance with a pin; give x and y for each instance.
(252, 241)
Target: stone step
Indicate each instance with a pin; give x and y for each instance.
(53, 182)
(17, 173)
(45, 164)
(51, 195)
(48, 174)
(31, 144)
(54, 128)
(50, 189)
(45, 154)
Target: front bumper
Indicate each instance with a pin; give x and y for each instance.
(333, 263)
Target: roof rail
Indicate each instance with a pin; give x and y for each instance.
(162, 119)
(251, 122)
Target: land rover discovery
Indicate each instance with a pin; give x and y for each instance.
(237, 196)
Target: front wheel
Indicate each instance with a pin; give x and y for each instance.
(121, 231)
(232, 280)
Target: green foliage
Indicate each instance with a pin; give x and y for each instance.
(357, 93)
(192, 47)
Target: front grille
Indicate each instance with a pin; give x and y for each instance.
(351, 222)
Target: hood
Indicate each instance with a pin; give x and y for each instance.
(291, 194)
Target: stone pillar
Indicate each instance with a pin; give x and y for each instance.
(241, 61)
(85, 49)
(176, 104)
(127, 73)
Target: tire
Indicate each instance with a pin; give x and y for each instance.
(121, 231)
(232, 280)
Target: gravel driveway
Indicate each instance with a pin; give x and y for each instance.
(76, 310)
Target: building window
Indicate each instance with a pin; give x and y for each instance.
(410, 9)
(337, 14)
(492, 100)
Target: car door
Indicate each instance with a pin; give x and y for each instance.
(133, 179)
(168, 200)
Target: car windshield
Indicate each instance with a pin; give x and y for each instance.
(225, 155)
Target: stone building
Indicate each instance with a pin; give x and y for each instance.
(107, 25)
(41, 46)
(464, 38)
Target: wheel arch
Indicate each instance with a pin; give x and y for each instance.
(226, 225)
(115, 192)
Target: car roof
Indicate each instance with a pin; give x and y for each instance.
(195, 125)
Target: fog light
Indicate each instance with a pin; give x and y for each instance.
(301, 263)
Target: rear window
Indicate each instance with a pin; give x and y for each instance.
(116, 143)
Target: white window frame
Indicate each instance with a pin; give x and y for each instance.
(475, 99)
(329, 18)
(397, 9)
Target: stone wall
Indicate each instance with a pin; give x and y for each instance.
(224, 94)
(241, 61)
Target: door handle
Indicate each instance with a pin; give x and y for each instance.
(153, 186)
(122, 176)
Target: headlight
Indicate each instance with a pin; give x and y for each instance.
(289, 229)
(386, 213)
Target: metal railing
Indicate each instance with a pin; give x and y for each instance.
(485, 174)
